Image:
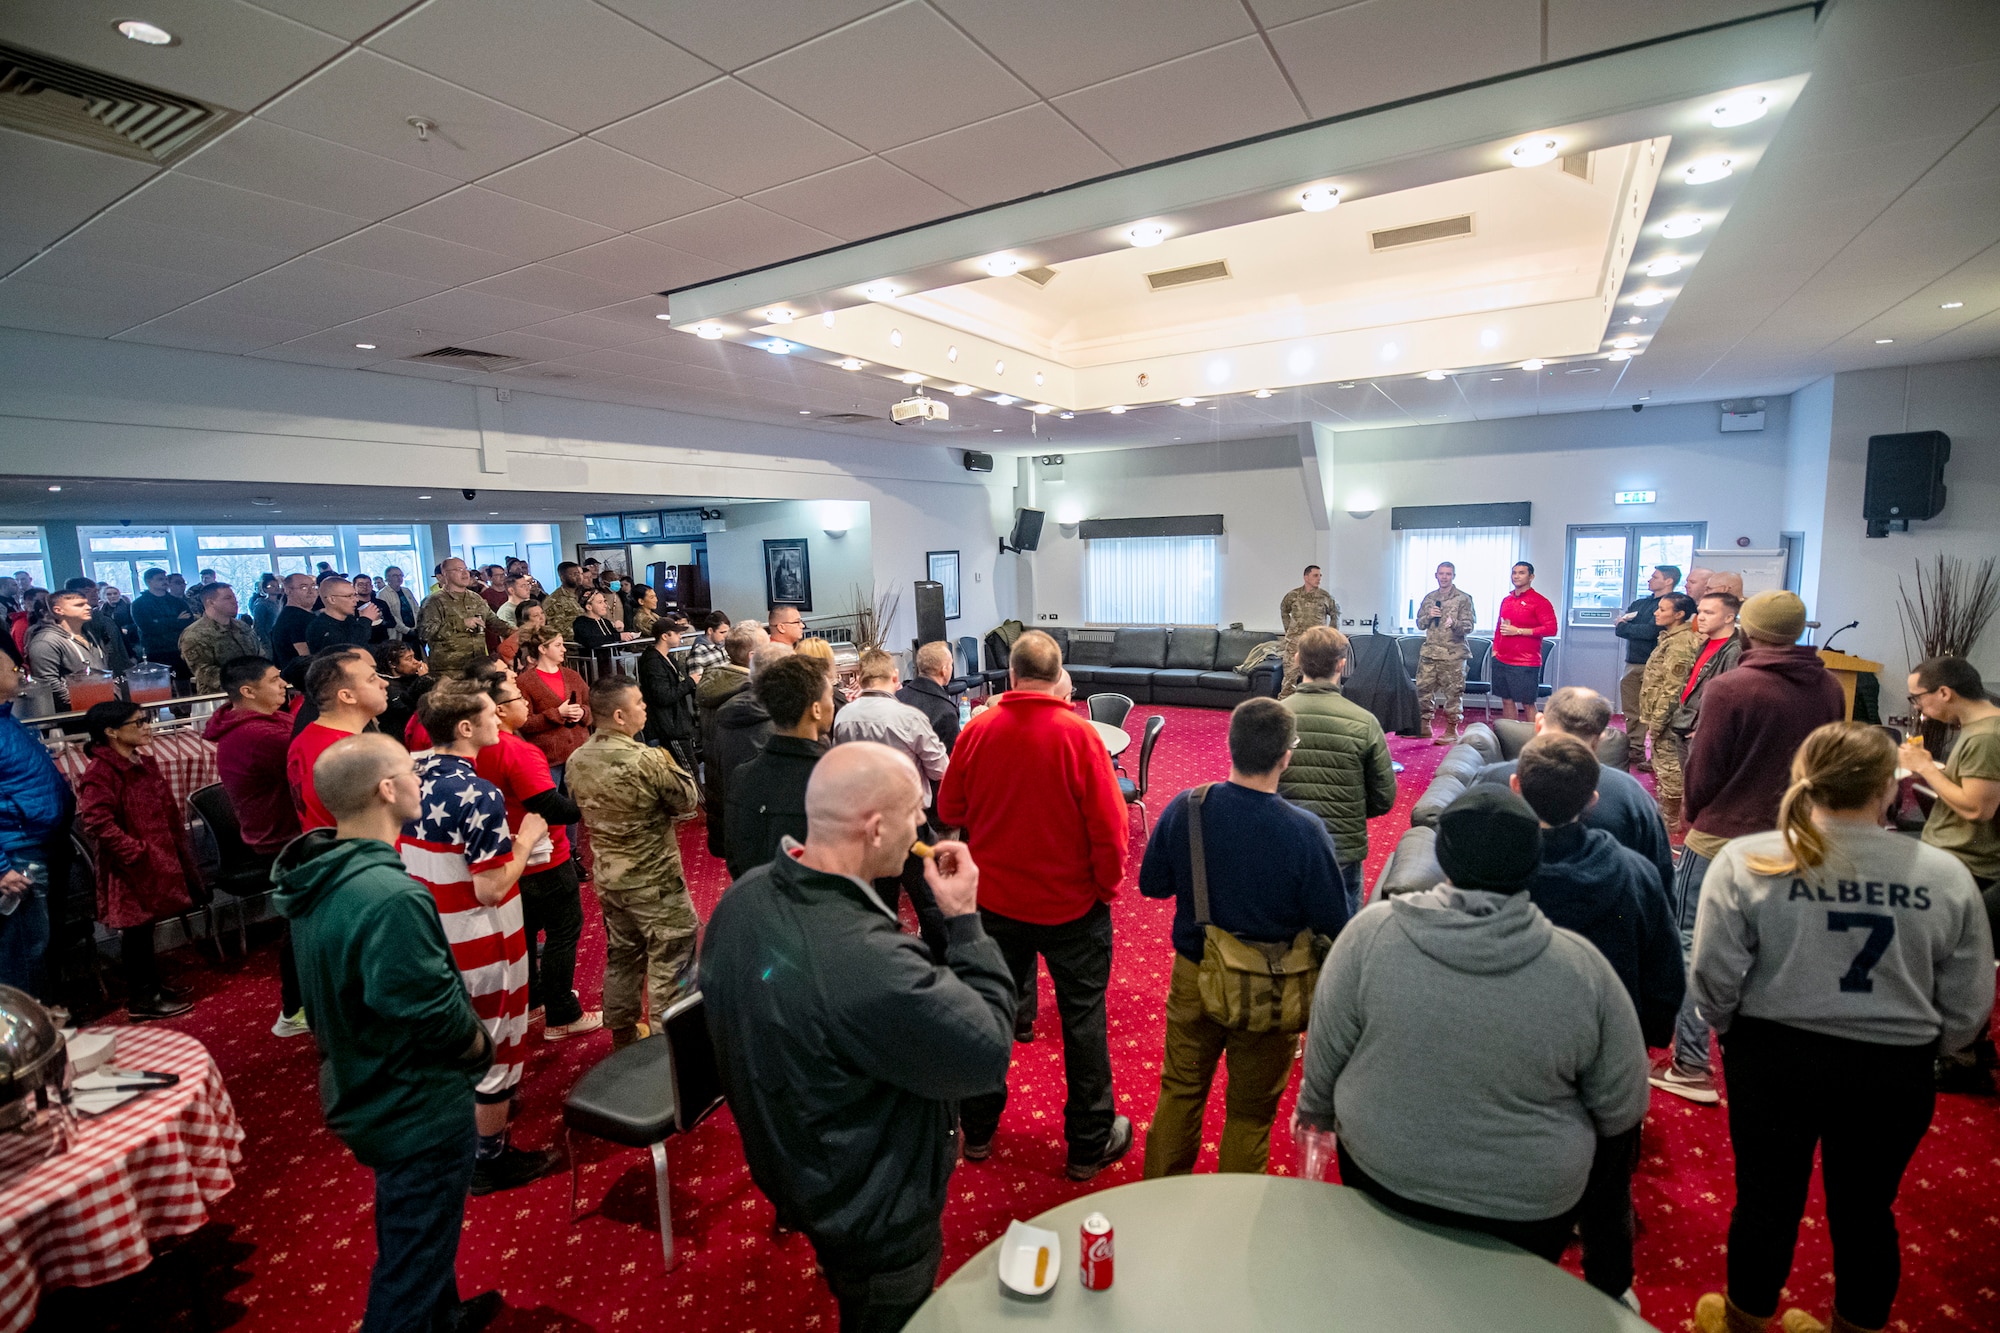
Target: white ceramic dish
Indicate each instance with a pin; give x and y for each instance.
(1019, 1250)
(89, 1051)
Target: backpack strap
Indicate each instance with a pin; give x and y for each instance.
(1198, 861)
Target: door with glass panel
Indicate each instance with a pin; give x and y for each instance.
(1609, 564)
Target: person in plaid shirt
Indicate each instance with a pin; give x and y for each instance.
(459, 848)
(707, 650)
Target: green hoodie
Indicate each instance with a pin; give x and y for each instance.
(400, 1046)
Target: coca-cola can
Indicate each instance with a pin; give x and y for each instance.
(1094, 1252)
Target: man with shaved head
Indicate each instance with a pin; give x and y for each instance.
(1698, 581)
(843, 1048)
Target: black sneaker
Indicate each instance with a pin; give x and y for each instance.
(512, 1168)
(473, 1315)
(975, 1152)
(1116, 1147)
(159, 1006)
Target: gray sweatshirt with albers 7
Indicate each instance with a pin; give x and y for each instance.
(1887, 942)
(1469, 1054)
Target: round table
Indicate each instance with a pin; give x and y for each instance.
(1271, 1252)
(144, 1170)
(1115, 738)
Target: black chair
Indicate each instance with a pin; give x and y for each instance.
(1110, 709)
(83, 863)
(1410, 647)
(1477, 684)
(966, 674)
(240, 872)
(1135, 792)
(647, 1093)
(75, 969)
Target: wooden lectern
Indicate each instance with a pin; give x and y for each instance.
(1845, 668)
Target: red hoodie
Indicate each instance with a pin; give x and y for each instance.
(1031, 783)
(1753, 720)
(250, 751)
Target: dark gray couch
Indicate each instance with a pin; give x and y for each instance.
(1149, 665)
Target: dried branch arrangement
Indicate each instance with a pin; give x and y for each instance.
(873, 616)
(1954, 601)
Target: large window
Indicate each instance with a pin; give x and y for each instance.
(21, 549)
(1152, 581)
(391, 546)
(119, 556)
(1609, 563)
(1482, 558)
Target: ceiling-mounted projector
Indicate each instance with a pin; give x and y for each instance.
(920, 411)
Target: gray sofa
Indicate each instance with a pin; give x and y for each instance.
(1161, 665)
(1492, 743)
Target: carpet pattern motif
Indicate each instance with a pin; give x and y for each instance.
(302, 1240)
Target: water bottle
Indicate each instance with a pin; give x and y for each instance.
(964, 710)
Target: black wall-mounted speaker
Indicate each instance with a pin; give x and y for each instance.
(1027, 533)
(1905, 479)
(930, 612)
(978, 462)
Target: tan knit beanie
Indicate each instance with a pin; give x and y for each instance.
(1775, 614)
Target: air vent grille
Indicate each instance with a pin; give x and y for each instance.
(467, 359)
(1444, 229)
(1168, 279)
(1041, 277)
(58, 100)
(848, 418)
(1577, 165)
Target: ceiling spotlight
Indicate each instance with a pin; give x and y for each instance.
(1433, 374)
(1261, 393)
(879, 291)
(1043, 409)
(1189, 402)
(668, 318)
(1495, 379)
(1146, 235)
(778, 347)
(911, 377)
(951, 353)
(1390, 351)
(895, 337)
(1883, 342)
(1002, 399)
(778, 315)
(364, 347)
(420, 497)
(1535, 150)
(709, 331)
(805, 411)
(1627, 342)
(1533, 363)
(1707, 169)
(1002, 265)
(1951, 305)
(1067, 416)
(850, 363)
(1738, 110)
(55, 488)
(1619, 356)
(1116, 409)
(827, 319)
(140, 31)
(1689, 224)
(1319, 198)
(1489, 337)
(1649, 298)
(997, 430)
(1038, 379)
(492, 513)
(1660, 268)
(999, 367)
(961, 390)
(1636, 319)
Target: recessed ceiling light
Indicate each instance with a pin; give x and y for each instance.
(1951, 305)
(492, 513)
(1146, 235)
(364, 347)
(1038, 379)
(1738, 110)
(1495, 379)
(1189, 402)
(1319, 198)
(850, 363)
(1636, 319)
(879, 291)
(1489, 337)
(951, 353)
(1345, 384)
(1261, 393)
(1116, 409)
(423, 497)
(140, 31)
(1390, 351)
(778, 315)
(668, 318)
(1533, 363)
(778, 347)
(1214, 407)
(262, 500)
(961, 390)
(999, 367)
(1627, 342)
(911, 377)
(996, 430)
(1067, 416)
(1003, 399)
(55, 488)
(1660, 268)
(1043, 409)
(895, 337)
(1689, 224)
(1707, 169)
(1883, 342)
(827, 319)
(1619, 356)
(1535, 150)
(709, 331)
(1649, 298)
(1002, 265)
(1433, 374)
(805, 411)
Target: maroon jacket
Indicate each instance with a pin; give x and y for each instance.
(145, 868)
(1753, 720)
(250, 750)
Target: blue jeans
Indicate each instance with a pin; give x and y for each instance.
(24, 933)
(1352, 884)
(1690, 1033)
(419, 1213)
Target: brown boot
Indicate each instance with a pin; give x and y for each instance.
(1670, 811)
(1798, 1321)
(623, 1037)
(1716, 1313)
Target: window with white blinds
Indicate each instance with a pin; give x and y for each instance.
(1152, 581)
(1483, 558)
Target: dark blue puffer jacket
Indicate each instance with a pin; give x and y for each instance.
(35, 801)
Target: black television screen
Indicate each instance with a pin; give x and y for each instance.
(1027, 530)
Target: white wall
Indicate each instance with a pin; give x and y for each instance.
(837, 564)
(1805, 480)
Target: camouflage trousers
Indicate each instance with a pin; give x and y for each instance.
(1441, 689)
(1290, 682)
(649, 937)
(1666, 767)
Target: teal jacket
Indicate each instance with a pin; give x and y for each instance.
(1340, 770)
(400, 1046)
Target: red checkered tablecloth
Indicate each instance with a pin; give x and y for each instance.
(148, 1169)
(185, 759)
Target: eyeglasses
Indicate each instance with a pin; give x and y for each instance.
(1925, 694)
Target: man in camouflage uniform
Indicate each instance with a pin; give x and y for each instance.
(632, 795)
(454, 619)
(1446, 617)
(565, 604)
(1666, 674)
(1304, 607)
(216, 637)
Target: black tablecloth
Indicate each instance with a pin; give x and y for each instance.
(1376, 680)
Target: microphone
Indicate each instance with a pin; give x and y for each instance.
(1837, 633)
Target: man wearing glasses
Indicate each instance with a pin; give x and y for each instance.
(787, 626)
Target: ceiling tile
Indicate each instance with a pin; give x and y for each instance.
(365, 101)
(210, 329)
(553, 287)
(1373, 53)
(899, 75)
(390, 249)
(1059, 46)
(271, 159)
(321, 293)
(741, 31)
(861, 199)
(229, 53)
(36, 305)
(174, 200)
(54, 186)
(1008, 157)
(569, 61)
(627, 261)
(591, 180)
(731, 136)
(336, 347)
(1218, 96)
(741, 235)
(65, 267)
(1578, 27)
(489, 221)
(462, 313)
(530, 346)
(124, 239)
(594, 330)
(1273, 13)
(352, 19)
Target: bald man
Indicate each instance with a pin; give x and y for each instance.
(843, 1048)
(1728, 581)
(1697, 583)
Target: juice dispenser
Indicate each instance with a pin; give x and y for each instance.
(149, 682)
(90, 687)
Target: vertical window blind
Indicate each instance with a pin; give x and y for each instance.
(1483, 557)
(1152, 581)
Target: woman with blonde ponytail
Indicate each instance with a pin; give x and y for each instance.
(1832, 956)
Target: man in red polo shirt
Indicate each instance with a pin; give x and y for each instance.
(1526, 618)
(350, 696)
(1031, 784)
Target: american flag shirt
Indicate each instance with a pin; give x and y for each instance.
(460, 832)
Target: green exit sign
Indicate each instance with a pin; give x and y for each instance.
(1634, 497)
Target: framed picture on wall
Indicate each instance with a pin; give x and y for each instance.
(788, 573)
(943, 568)
(611, 557)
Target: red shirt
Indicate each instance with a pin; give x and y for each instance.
(1708, 650)
(1529, 610)
(252, 754)
(521, 770)
(1031, 783)
(306, 749)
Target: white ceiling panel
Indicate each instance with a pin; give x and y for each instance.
(1273, 13)
(1578, 27)
(731, 136)
(175, 200)
(413, 254)
(1371, 53)
(1874, 39)
(229, 53)
(489, 221)
(124, 239)
(740, 234)
(52, 187)
(366, 101)
(569, 61)
(1059, 46)
(209, 329)
(896, 76)
(1008, 157)
(336, 347)
(463, 313)
(530, 346)
(352, 19)
(271, 159)
(627, 261)
(595, 181)
(734, 34)
(1223, 94)
(859, 200)
(36, 305)
(1425, 400)
(595, 330)
(149, 284)
(554, 287)
(320, 293)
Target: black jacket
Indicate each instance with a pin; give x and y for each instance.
(325, 632)
(669, 696)
(767, 802)
(1687, 714)
(740, 730)
(929, 698)
(843, 1050)
(1624, 809)
(1639, 633)
(160, 621)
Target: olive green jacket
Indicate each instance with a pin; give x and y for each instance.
(1340, 770)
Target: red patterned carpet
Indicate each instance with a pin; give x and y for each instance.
(293, 1243)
